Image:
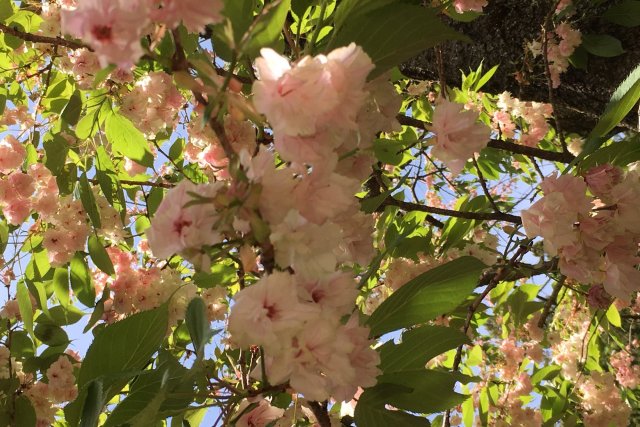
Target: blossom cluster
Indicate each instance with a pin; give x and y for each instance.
(533, 114)
(560, 44)
(45, 397)
(458, 134)
(20, 192)
(319, 108)
(113, 28)
(596, 238)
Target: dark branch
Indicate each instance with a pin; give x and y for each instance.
(479, 216)
(35, 38)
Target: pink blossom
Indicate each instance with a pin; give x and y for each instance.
(458, 135)
(601, 179)
(177, 227)
(267, 312)
(194, 14)
(260, 416)
(12, 154)
(313, 93)
(16, 210)
(319, 198)
(112, 27)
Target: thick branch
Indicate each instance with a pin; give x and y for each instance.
(35, 38)
(320, 412)
(553, 156)
(479, 216)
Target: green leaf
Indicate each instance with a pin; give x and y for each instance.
(546, 373)
(299, 7)
(25, 415)
(148, 396)
(71, 113)
(418, 346)
(429, 295)
(198, 325)
(127, 140)
(390, 151)
(602, 45)
(60, 316)
(625, 13)
(21, 344)
(61, 285)
(485, 78)
(93, 404)
(51, 335)
(622, 101)
(240, 13)
(371, 411)
(390, 33)
(99, 255)
(431, 391)
(89, 201)
(268, 28)
(56, 149)
(25, 307)
(88, 125)
(4, 236)
(613, 316)
(6, 9)
(81, 281)
(67, 178)
(124, 346)
(619, 153)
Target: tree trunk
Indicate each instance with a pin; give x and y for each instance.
(500, 37)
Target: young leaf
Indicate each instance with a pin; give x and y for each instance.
(127, 140)
(71, 113)
(268, 28)
(99, 255)
(198, 325)
(61, 285)
(89, 201)
(81, 282)
(24, 306)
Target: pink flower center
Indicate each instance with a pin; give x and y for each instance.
(101, 32)
(180, 223)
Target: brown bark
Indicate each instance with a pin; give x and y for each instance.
(500, 37)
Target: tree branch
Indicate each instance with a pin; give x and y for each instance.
(320, 412)
(35, 38)
(479, 216)
(553, 156)
(552, 300)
